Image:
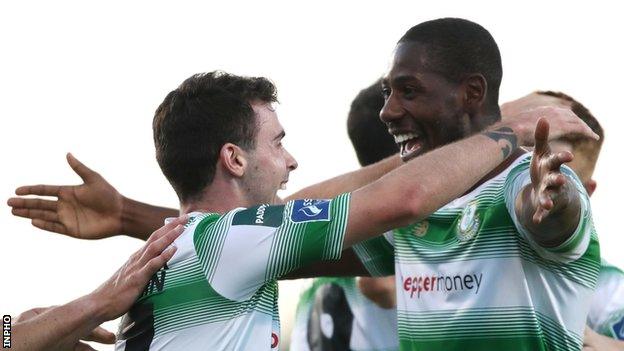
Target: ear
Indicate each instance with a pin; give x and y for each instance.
(590, 186)
(474, 92)
(233, 159)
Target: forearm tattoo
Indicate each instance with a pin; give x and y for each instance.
(506, 139)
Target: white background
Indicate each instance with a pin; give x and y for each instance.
(86, 77)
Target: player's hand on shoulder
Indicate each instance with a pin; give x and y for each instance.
(121, 290)
(562, 121)
(91, 210)
(530, 102)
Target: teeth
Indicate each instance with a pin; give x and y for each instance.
(404, 137)
(283, 186)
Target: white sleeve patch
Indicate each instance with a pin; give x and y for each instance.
(242, 266)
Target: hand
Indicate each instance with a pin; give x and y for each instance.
(530, 102)
(593, 341)
(119, 292)
(546, 179)
(91, 210)
(98, 334)
(563, 122)
(380, 290)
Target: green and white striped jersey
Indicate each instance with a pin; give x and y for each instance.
(470, 277)
(219, 291)
(606, 312)
(333, 314)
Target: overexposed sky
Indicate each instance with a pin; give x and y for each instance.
(86, 77)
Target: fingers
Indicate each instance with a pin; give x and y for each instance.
(541, 136)
(564, 122)
(40, 189)
(36, 214)
(556, 160)
(555, 180)
(157, 247)
(101, 335)
(162, 231)
(55, 227)
(539, 215)
(85, 173)
(156, 263)
(40, 204)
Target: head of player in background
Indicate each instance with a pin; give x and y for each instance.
(367, 132)
(218, 130)
(442, 85)
(585, 150)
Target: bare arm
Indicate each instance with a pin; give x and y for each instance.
(380, 290)
(61, 327)
(349, 265)
(593, 341)
(420, 187)
(139, 219)
(349, 181)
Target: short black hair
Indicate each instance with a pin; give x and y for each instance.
(194, 121)
(368, 134)
(456, 48)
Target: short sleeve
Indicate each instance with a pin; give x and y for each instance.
(573, 248)
(377, 255)
(247, 248)
(606, 311)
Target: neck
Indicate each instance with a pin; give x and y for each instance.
(216, 198)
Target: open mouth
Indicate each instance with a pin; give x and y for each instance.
(410, 145)
(283, 185)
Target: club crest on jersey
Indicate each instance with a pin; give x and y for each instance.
(420, 229)
(468, 224)
(308, 210)
(618, 329)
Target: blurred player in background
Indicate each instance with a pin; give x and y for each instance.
(332, 313)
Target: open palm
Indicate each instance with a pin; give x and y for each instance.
(91, 210)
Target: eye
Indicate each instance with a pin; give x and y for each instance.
(385, 92)
(410, 92)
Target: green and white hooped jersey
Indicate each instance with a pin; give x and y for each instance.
(333, 314)
(470, 277)
(606, 312)
(219, 291)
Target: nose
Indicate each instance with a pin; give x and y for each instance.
(291, 163)
(391, 110)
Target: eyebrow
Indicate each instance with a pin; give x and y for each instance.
(404, 79)
(281, 135)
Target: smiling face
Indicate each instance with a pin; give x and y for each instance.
(423, 110)
(269, 162)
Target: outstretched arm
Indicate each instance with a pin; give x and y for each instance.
(421, 186)
(349, 181)
(61, 327)
(91, 210)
